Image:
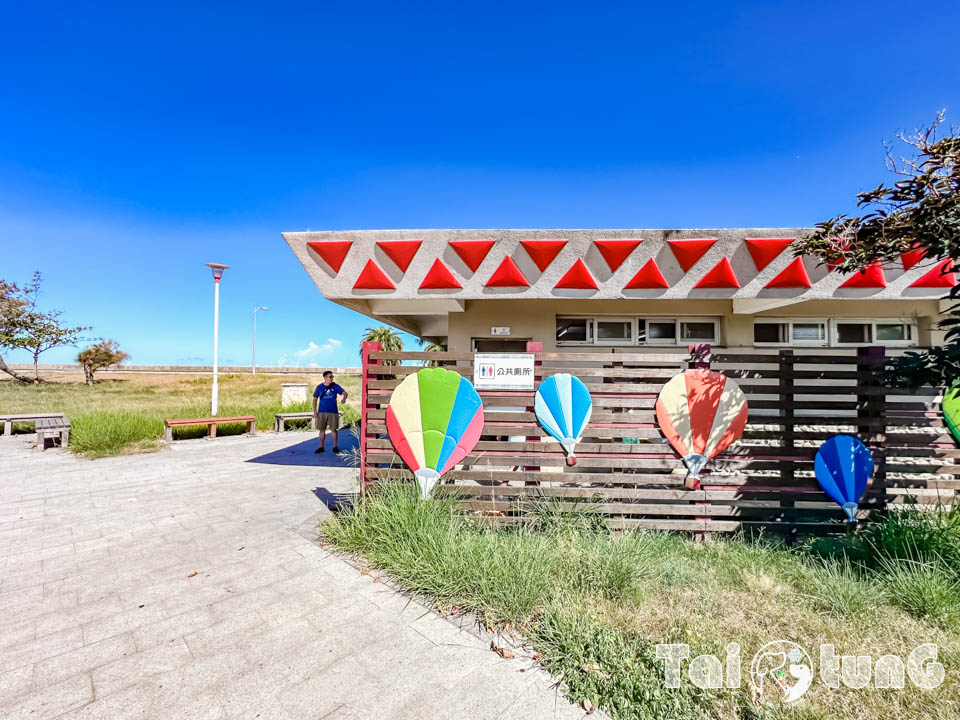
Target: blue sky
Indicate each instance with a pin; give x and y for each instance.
(138, 143)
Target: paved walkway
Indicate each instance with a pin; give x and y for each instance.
(184, 584)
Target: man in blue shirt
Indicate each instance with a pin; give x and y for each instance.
(325, 408)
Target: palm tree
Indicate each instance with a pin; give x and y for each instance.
(431, 347)
(389, 339)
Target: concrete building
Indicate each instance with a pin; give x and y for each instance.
(494, 290)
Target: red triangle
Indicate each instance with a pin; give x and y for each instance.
(869, 277)
(721, 276)
(764, 250)
(472, 252)
(400, 251)
(688, 252)
(793, 275)
(578, 277)
(507, 275)
(332, 252)
(648, 278)
(616, 251)
(373, 278)
(439, 277)
(542, 252)
(912, 257)
(937, 277)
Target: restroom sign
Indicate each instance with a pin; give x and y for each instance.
(503, 371)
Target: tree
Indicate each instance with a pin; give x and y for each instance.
(99, 356)
(431, 347)
(389, 339)
(919, 213)
(24, 327)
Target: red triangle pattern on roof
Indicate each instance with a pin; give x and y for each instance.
(578, 277)
(332, 252)
(687, 252)
(400, 251)
(472, 252)
(793, 275)
(542, 252)
(869, 277)
(940, 276)
(373, 278)
(764, 250)
(439, 277)
(648, 278)
(616, 251)
(720, 276)
(507, 275)
(912, 257)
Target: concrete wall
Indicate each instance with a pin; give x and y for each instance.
(536, 319)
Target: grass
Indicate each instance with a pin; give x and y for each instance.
(590, 600)
(124, 413)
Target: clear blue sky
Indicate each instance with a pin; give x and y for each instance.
(137, 144)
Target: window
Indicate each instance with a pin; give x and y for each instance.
(574, 330)
(893, 332)
(635, 331)
(786, 332)
(876, 332)
(854, 333)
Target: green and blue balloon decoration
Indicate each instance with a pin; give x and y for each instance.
(843, 467)
(951, 411)
(434, 419)
(563, 407)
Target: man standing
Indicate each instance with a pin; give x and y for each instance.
(325, 408)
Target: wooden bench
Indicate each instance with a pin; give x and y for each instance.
(9, 419)
(280, 420)
(211, 423)
(52, 428)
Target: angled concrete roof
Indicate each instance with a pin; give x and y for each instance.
(733, 252)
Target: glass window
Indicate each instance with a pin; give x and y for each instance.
(769, 332)
(661, 330)
(704, 331)
(614, 330)
(893, 332)
(573, 330)
(809, 332)
(852, 333)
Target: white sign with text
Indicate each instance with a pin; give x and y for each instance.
(503, 371)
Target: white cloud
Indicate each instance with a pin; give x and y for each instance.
(312, 351)
(282, 360)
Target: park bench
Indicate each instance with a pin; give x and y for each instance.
(280, 419)
(211, 423)
(52, 428)
(9, 419)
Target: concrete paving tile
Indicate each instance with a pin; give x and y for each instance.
(121, 622)
(52, 700)
(138, 666)
(41, 648)
(84, 659)
(147, 636)
(14, 682)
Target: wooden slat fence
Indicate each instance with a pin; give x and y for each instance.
(626, 470)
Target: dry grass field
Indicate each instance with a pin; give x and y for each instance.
(124, 412)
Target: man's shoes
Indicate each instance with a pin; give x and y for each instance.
(336, 450)
(318, 450)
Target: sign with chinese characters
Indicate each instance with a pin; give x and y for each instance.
(503, 371)
(500, 330)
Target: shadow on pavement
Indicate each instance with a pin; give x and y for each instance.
(302, 453)
(335, 501)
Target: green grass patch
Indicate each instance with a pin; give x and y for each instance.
(596, 604)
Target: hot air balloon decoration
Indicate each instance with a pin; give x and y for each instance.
(951, 411)
(843, 466)
(701, 413)
(434, 419)
(563, 407)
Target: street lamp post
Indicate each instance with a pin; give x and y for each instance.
(217, 274)
(255, 337)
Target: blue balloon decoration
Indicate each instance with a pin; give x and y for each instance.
(843, 467)
(563, 406)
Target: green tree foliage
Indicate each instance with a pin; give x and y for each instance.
(99, 356)
(389, 339)
(24, 327)
(431, 347)
(920, 211)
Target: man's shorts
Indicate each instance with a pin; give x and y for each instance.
(327, 419)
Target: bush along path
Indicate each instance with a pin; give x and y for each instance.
(595, 605)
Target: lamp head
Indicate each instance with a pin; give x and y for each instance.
(217, 269)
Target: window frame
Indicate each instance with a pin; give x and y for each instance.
(872, 324)
(634, 320)
(790, 322)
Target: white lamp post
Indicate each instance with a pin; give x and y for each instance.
(217, 274)
(255, 337)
